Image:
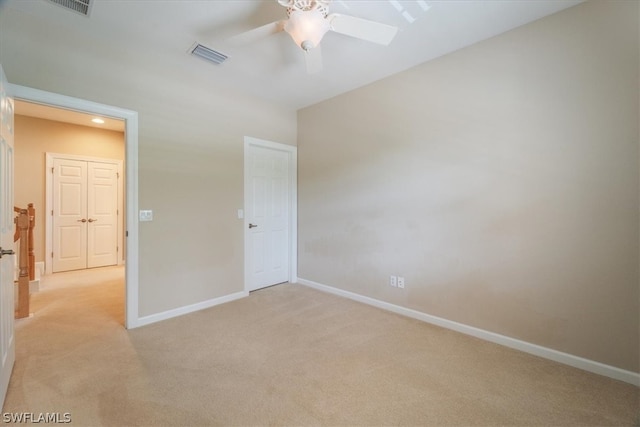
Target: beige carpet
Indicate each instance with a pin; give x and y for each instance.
(287, 355)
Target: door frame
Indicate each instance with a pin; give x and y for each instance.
(49, 159)
(292, 152)
(130, 118)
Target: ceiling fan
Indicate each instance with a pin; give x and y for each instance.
(309, 20)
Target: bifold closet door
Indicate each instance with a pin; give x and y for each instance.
(85, 200)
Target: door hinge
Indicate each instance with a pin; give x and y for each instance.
(51, 254)
(118, 175)
(51, 170)
(51, 212)
(117, 248)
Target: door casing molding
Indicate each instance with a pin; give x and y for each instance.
(292, 151)
(131, 175)
(50, 157)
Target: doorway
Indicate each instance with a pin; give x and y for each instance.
(130, 119)
(270, 213)
(85, 198)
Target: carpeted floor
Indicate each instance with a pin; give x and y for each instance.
(286, 355)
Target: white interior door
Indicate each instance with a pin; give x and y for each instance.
(69, 215)
(85, 214)
(7, 341)
(268, 206)
(102, 218)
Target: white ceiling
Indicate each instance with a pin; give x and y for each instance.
(156, 36)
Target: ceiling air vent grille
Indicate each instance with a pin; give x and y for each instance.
(79, 6)
(208, 54)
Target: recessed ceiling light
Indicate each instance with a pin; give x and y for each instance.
(97, 120)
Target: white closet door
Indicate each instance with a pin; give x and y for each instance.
(69, 215)
(102, 215)
(85, 214)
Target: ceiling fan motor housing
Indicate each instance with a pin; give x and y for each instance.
(306, 5)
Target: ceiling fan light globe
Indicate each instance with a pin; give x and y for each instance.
(308, 26)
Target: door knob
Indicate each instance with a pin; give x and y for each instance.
(82, 220)
(92, 220)
(6, 252)
(252, 225)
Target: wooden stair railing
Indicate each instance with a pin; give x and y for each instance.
(25, 222)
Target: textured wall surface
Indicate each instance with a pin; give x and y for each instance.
(501, 181)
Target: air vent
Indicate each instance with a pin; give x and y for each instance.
(208, 54)
(79, 6)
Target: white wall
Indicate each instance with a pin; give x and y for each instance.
(501, 181)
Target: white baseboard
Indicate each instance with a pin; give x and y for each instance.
(547, 353)
(153, 318)
(39, 268)
(34, 286)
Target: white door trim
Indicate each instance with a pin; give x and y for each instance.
(7, 298)
(49, 158)
(131, 169)
(292, 151)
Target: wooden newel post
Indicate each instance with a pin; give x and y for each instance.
(32, 257)
(22, 224)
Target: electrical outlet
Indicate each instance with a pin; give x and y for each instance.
(146, 215)
(393, 281)
(401, 282)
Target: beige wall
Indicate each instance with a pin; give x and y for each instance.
(33, 138)
(501, 181)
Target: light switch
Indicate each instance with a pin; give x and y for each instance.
(146, 216)
(240, 213)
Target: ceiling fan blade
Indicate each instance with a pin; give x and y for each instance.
(257, 34)
(313, 58)
(375, 32)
